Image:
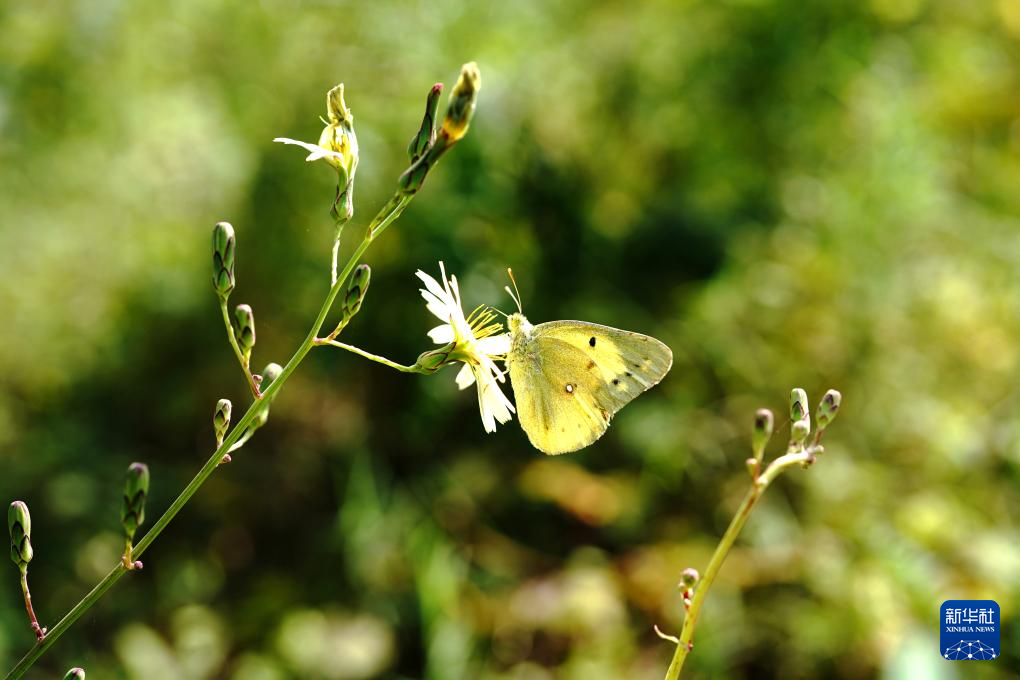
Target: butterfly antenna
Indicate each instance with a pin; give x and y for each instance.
(516, 298)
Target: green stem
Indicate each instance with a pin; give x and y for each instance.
(386, 216)
(362, 353)
(237, 350)
(758, 486)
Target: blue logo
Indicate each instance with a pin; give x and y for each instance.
(970, 630)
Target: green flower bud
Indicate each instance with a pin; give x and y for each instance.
(430, 362)
(132, 509)
(762, 432)
(19, 524)
(461, 107)
(799, 432)
(828, 408)
(426, 135)
(244, 328)
(221, 420)
(798, 404)
(413, 178)
(269, 374)
(75, 674)
(223, 259)
(356, 289)
(342, 209)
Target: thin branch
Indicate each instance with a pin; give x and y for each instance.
(328, 342)
(686, 642)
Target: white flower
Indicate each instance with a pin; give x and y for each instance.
(338, 145)
(474, 344)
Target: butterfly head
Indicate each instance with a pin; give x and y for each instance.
(518, 324)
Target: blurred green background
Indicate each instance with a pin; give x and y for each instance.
(788, 194)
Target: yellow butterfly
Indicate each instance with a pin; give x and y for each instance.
(571, 377)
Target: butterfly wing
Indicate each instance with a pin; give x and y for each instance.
(572, 377)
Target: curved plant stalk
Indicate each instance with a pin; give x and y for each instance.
(799, 452)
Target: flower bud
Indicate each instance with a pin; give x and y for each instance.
(461, 106)
(426, 135)
(223, 259)
(136, 488)
(19, 524)
(762, 432)
(689, 578)
(828, 408)
(221, 420)
(798, 404)
(356, 289)
(270, 373)
(75, 674)
(799, 432)
(412, 178)
(430, 362)
(244, 328)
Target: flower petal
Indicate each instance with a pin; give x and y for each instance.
(433, 287)
(492, 403)
(436, 306)
(489, 367)
(317, 151)
(442, 335)
(496, 345)
(454, 288)
(466, 377)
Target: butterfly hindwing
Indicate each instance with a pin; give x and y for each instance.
(557, 406)
(573, 376)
